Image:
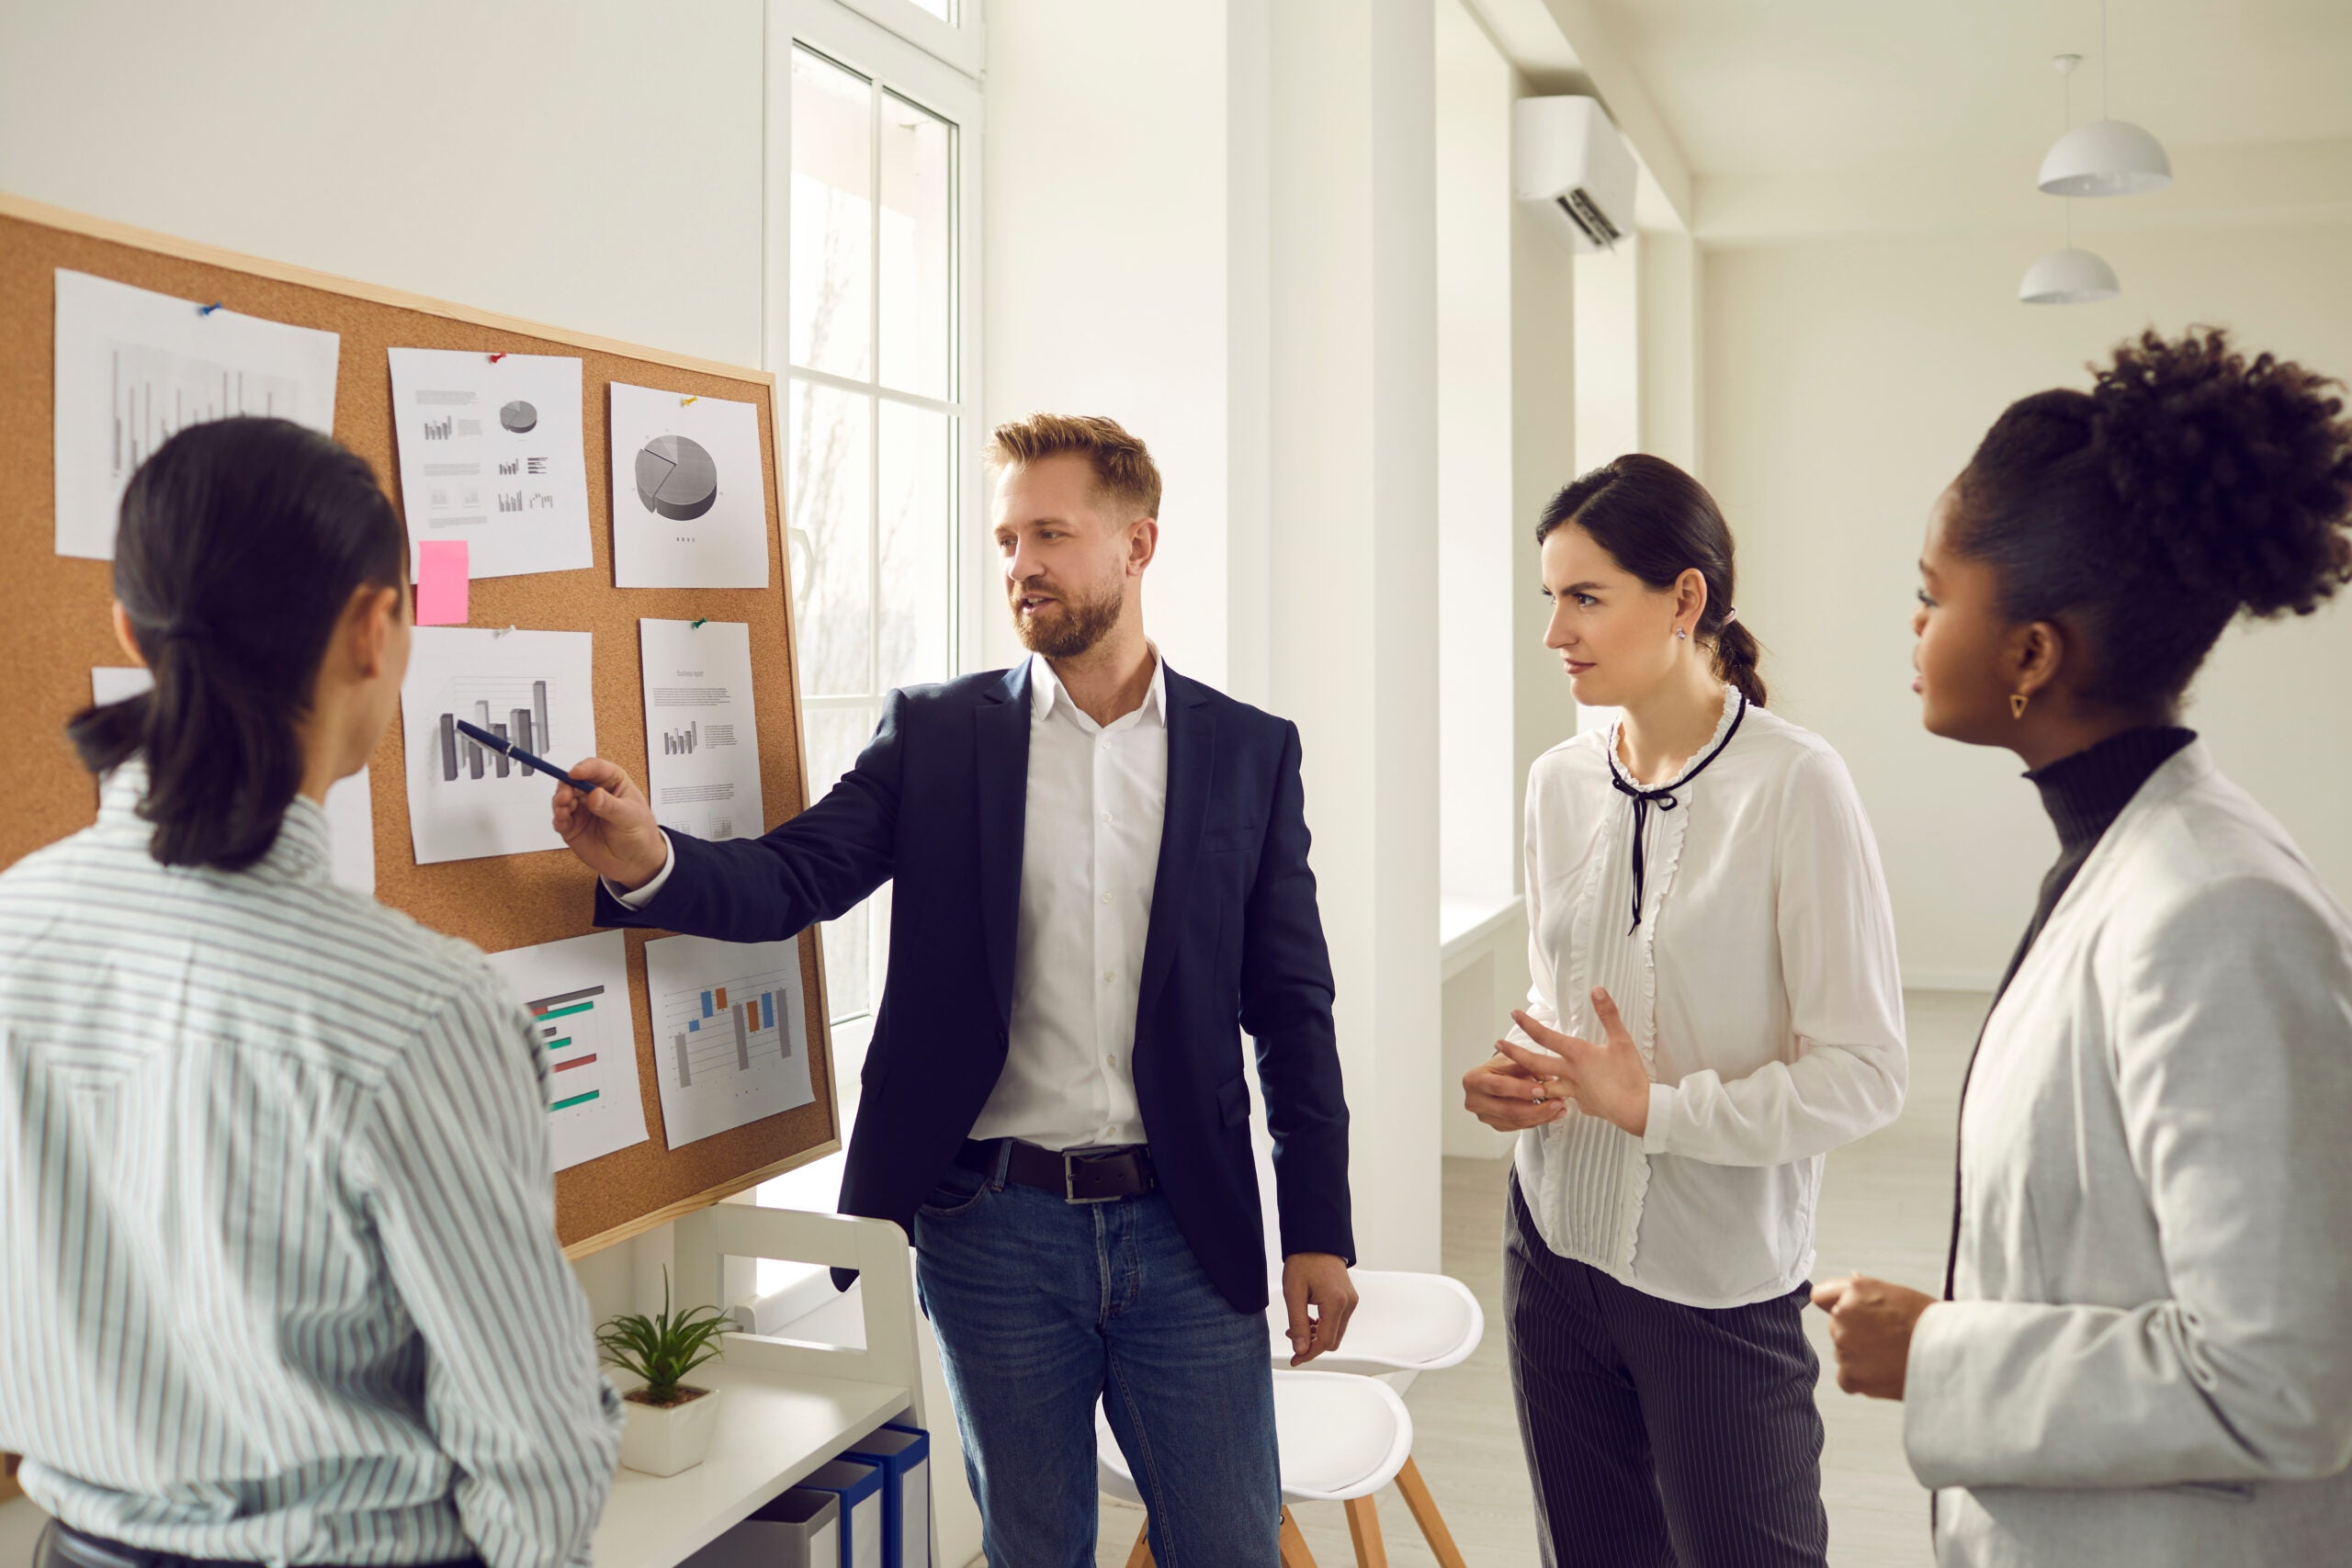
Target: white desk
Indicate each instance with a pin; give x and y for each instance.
(774, 1429)
(787, 1406)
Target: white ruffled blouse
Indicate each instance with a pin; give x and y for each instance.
(1761, 985)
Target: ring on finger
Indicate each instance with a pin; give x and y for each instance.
(1539, 1094)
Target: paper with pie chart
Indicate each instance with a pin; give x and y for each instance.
(689, 496)
(491, 453)
(582, 1025)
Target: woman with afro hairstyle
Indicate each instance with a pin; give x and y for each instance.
(2143, 1351)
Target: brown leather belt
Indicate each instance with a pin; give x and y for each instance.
(1095, 1176)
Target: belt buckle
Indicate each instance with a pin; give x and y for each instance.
(1070, 1183)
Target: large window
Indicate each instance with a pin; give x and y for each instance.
(872, 322)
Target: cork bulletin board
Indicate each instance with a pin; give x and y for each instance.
(55, 627)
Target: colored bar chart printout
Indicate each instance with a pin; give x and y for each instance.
(576, 993)
(731, 1032)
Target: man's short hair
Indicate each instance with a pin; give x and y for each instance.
(1124, 476)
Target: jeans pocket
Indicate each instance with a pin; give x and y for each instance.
(958, 1192)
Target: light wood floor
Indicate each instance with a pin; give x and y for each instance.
(1886, 1207)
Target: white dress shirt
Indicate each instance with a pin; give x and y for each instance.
(1089, 859)
(1760, 986)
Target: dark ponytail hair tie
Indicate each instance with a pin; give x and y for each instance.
(181, 631)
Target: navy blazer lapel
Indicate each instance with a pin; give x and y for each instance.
(1002, 723)
(1192, 765)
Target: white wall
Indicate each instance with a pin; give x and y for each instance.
(1672, 269)
(1107, 197)
(1478, 533)
(1846, 383)
(491, 156)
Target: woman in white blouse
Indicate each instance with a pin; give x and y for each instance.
(1715, 1005)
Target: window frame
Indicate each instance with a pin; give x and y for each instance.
(958, 43)
(846, 32)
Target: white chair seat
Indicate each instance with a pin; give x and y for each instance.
(1403, 1322)
(1340, 1437)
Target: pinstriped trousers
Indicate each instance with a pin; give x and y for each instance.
(1659, 1435)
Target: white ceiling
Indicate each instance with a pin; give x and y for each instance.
(1750, 88)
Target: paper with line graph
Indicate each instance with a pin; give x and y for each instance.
(730, 1034)
(702, 737)
(577, 994)
(466, 801)
(491, 453)
(134, 368)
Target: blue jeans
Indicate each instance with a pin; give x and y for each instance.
(1042, 1307)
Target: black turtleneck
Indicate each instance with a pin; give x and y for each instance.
(2084, 794)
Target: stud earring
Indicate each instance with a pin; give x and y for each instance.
(2016, 704)
(1681, 634)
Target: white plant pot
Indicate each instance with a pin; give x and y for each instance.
(665, 1439)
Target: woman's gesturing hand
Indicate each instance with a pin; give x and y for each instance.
(611, 828)
(1509, 1098)
(1607, 1079)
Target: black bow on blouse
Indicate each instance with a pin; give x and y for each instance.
(1663, 797)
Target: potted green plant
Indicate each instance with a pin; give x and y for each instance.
(669, 1422)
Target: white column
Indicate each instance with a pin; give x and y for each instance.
(1353, 418)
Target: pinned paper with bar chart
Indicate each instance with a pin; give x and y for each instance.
(465, 800)
(731, 1032)
(702, 732)
(577, 994)
(135, 367)
(491, 452)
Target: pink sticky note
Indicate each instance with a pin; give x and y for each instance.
(441, 584)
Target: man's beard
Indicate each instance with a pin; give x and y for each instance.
(1081, 625)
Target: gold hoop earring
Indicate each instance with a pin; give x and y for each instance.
(2016, 704)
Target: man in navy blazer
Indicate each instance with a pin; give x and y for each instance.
(1101, 884)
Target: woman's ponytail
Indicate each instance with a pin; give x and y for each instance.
(1736, 657)
(241, 542)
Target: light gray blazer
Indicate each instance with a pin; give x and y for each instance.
(2149, 1358)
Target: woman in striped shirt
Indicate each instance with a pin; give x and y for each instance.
(278, 1276)
(1717, 1006)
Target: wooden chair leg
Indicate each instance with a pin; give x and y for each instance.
(1363, 1524)
(1141, 1556)
(1425, 1513)
(1295, 1552)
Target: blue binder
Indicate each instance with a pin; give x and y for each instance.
(902, 1454)
(859, 1484)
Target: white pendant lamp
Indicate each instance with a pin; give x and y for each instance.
(2107, 157)
(2068, 276)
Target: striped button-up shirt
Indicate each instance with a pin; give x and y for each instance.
(278, 1274)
